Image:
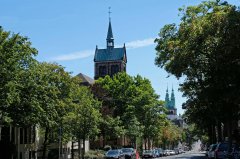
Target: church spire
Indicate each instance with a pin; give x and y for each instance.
(167, 99)
(172, 99)
(110, 39)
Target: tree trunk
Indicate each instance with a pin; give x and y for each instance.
(135, 142)
(83, 151)
(149, 143)
(213, 135)
(219, 132)
(104, 139)
(72, 152)
(229, 123)
(145, 143)
(45, 142)
(79, 148)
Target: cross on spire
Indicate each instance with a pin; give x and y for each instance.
(109, 13)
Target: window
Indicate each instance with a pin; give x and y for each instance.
(114, 69)
(110, 44)
(102, 70)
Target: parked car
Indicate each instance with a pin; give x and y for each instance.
(221, 150)
(156, 153)
(211, 151)
(167, 152)
(148, 154)
(181, 150)
(114, 154)
(235, 154)
(160, 152)
(176, 151)
(172, 152)
(164, 153)
(129, 153)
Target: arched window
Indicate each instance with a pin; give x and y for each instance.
(114, 69)
(102, 70)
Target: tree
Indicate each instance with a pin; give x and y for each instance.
(84, 118)
(50, 90)
(204, 49)
(149, 110)
(135, 102)
(119, 96)
(16, 59)
(110, 126)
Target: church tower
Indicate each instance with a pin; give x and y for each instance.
(172, 99)
(167, 99)
(170, 103)
(111, 60)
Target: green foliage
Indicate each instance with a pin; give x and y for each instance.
(169, 135)
(204, 49)
(84, 116)
(133, 100)
(16, 59)
(111, 127)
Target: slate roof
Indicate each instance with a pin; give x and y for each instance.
(86, 79)
(112, 54)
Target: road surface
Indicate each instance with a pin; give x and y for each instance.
(188, 155)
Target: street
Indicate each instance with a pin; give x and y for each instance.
(188, 155)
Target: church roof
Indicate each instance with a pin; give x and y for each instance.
(85, 79)
(113, 54)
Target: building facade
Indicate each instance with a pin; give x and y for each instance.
(111, 60)
(18, 143)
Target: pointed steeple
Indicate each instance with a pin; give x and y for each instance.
(109, 34)
(167, 99)
(110, 39)
(172, 99)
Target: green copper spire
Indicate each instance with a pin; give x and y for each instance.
(172, 99)
(167, 99)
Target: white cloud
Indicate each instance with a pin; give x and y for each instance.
(86, 53)
(75, 55)
(140, 43)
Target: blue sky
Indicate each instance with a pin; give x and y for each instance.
(67, 32)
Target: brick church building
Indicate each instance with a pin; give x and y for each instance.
(110, 60)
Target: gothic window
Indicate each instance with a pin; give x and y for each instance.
(102, 70)
(114, 69)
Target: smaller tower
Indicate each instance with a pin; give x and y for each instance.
(167, 99)
(172, 99)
